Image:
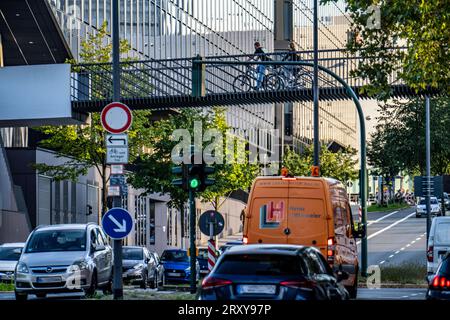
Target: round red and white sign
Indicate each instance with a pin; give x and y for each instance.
(116, 117)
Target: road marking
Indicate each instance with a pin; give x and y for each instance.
(402, 249)
(391, 256)
(388, 227)
(408, 245)
(379, 219)
(414, 241)
(417, 239)
(397, 251)
(382, 262)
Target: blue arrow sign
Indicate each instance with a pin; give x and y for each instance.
(117, 223)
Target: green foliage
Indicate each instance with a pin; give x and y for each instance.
(422, 26)
(338, 165)
(153, 170)
(84, 145)
(399, 142)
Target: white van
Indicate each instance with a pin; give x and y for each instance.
(438, 244)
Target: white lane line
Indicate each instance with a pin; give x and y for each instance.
(417, 239)
(414, 241)
(408, 245)
(396, 252)
(388, 227)
(391, 256)
(382, 262)
(402, 249)
(382, 218)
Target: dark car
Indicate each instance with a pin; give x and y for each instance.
(177, 266)
(202, 259)
(141, 267)
(275, 272)
(439, 287)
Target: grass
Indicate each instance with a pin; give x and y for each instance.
(4, 286)
(390, 207)
(150, 295)
(406, 273)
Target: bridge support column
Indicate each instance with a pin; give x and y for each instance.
(283, 35)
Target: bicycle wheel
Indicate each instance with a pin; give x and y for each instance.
(303, 80)
(242, 83)
(273, 82)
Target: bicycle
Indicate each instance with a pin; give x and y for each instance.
(291, 80)
(244, 82)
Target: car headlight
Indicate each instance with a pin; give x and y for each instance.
(22, 268)
(188, 269)
(138, 266)
(78, 266)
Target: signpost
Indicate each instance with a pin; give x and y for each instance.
(211, 223)
(117, 223)
(116, 118)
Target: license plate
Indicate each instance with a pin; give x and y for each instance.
(174, 274)
(204, 271)
(48, 279)
(254, 288)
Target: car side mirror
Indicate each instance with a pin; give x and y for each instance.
(17, 251)
(342, 275)
(359, 230)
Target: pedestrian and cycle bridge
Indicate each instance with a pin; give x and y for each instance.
(220, 80)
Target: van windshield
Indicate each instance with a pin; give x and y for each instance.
(57, 240)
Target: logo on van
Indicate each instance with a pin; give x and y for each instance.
(270, 215)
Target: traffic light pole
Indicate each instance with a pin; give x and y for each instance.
(192, 249)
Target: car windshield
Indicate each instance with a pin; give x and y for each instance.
(8, 254)
(432, 201)
(203, 254)
(178, 256)
(57, 240)
(260, 264)
(132, 254)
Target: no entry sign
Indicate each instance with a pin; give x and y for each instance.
(116, 117)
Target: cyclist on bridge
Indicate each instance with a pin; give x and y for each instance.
(292, 55)
(260, 69)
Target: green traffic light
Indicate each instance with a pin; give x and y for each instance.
(194, 183)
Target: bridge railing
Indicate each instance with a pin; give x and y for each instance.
(172, 78)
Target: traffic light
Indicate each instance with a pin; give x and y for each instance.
(198, 177)
(182, 176)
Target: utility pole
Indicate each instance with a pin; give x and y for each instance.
(316, 84)
(428, 164)
(117, 244)
(192, 248)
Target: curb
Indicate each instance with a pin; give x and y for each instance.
(398, 286)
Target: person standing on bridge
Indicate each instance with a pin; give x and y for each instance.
(259, 54)
(292, 55)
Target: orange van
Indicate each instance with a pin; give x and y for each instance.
(305, 211)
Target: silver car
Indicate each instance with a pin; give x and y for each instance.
(9, 255)
(140, 266)
(64, 258)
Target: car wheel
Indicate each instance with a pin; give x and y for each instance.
(21, 296)
(144, 281)
(108, 289)
(163, 281)
(90, 292)
(41, 295)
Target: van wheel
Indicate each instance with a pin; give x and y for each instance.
(353, 290)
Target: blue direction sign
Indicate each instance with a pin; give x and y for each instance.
(117, 223)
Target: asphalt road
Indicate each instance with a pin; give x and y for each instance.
(396, 238)
(391, 294)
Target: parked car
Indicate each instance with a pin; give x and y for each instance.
(142, 267)
(64, 258)
(202, 259)
(9, 255)
(439, 286)
(446, 201)
(306, 211)
(438, 243)
(421, 207)
(228, 245)
(177, 267)
(273, 272)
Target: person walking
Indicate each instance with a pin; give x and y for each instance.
(292, 55)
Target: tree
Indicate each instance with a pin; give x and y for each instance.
(153, 170)
(420, 26)
(339, 165)
(399, 142)
(84, 145)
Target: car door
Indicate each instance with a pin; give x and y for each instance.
(325, 282)
(102, 265)
(334, 290)
(159, 266)
(150, 264)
